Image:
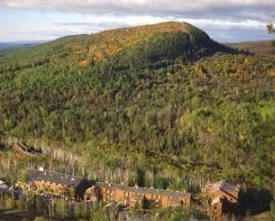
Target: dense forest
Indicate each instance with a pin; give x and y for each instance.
(162, 98)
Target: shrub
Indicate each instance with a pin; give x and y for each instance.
(160, 183)
(23, 177)
(99, 215)
(40, 218)
(10, 203)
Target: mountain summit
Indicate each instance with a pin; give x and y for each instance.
(140, 46)
(167, 40)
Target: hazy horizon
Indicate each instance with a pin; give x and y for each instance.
(224, 21)
(20, 42)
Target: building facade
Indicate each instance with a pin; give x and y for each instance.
(75, 188)
(57, 184)
(224, 198)
(133, 196)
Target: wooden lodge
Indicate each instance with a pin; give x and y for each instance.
(135, 195)
(57, 184)
(224, 198)
(75, 188)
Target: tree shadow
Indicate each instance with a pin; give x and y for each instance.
(253, 201)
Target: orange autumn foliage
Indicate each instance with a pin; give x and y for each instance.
(83, 63)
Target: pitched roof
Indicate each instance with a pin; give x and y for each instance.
(54, 177)
(222, 186)
(143, 190)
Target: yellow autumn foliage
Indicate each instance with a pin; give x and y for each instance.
(113, 42)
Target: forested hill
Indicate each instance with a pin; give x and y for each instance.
(135, 47)
(165, 95)
(260, 47)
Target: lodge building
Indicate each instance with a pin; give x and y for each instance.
(224, 198)
(58, 184)
(136, 195)
(75, 188)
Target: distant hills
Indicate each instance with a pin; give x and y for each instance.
(261, 47)
(19, 44)
(10, 44)
(7, 47)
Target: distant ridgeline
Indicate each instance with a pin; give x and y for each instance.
(163, 98)
(260, 47)
(136, 47)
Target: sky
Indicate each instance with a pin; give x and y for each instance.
(223, 20)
